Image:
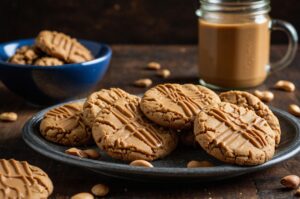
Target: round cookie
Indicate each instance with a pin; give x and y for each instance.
(175, 106)
(234, 134)
(64, 125)
(22, 180)
(99, 100)
(48, 61)
(125, 133)
(62, 46)
(251, 102)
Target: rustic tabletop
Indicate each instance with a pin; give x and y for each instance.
(127, 65)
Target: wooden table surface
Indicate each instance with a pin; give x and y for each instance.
(127, 65)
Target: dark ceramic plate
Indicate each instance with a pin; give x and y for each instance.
(174, 166)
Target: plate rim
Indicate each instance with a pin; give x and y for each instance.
(33, 142)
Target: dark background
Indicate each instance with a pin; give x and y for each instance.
(118, 21)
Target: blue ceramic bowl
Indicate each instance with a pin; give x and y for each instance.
(49, 85)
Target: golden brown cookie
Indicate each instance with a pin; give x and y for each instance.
(99, 100)
(249, 101)
(22, 180)
(62, 47)
(64, 125)
(174, 105)
(48, 61)
(25, 55)
(234, 134)
(125, 133)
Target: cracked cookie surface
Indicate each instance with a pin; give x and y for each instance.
(48, 61)
(234, 134)
(123, 132)
(65, 125)
(249, 101)
(101, 99)
(25, 55)
(62, 46)
(22, 180)
(175, 106)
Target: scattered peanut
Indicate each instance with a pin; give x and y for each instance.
(290, 181)
(143, 83)
(8, 116)
(195, 164)
(294, 109)
(100, 190)
(165, 73)
(265, 96)
(285, 85)
(76, 152)
(297, 193)
(92, 153)
(83, 195)
(141, 163)
(153, 66)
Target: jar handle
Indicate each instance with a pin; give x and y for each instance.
(292, 46)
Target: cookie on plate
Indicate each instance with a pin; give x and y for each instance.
(249, 101)
(175, 106)
(125, 133)
(25, 55)
(65, 125)
(48, 61)
(22, 180)
(63, 47)
(99, 100)
(235, 134)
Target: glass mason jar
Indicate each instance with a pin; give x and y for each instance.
(234, 43)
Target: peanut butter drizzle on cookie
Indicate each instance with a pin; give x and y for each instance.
(136, 127)
(250, 129)
(21, 180)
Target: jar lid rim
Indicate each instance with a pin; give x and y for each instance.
(236, 1)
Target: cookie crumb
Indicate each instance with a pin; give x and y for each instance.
(9, 116)
(153, 66)
(165, 73)
(143, 82)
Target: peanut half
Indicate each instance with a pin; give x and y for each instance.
(290, 181)
(141, 163)
(285, 85)
(100, 190)
(76, 152)
(8, 116)
(196, 164)
(165, 73)
(294, 109)
(153, 66)
(143, 83)
(265, 96)
(92, 153)
(83, 195)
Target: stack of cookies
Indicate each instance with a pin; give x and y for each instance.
(51, 49)
(234, 127)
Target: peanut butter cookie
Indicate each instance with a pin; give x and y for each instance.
(99, 100)
(251, 102)
(25, 55)
(125, 133)
(234, 134)
(22, 180)
(175, 106)
(64, 125)
(48, 61)
(63, 47)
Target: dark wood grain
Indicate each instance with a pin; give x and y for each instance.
(118, 21)
(127, 65)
